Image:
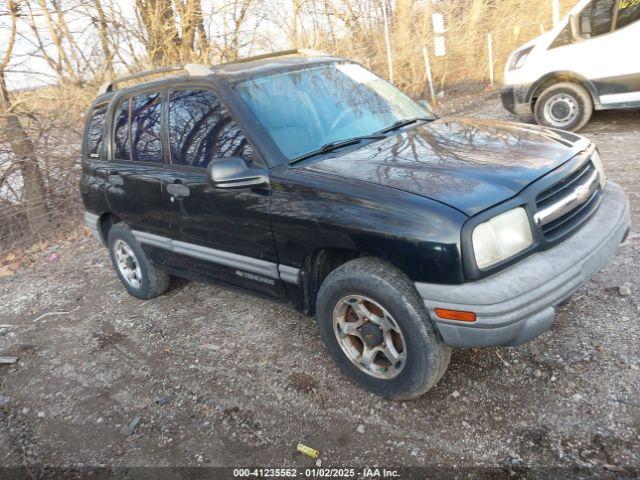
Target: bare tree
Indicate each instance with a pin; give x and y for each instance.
(104, 37)
(233, 37)
(173, 33)
(19, 140)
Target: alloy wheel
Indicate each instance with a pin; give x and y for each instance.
(369, 336)
(128, 264)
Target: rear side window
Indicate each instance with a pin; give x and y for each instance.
(596, 18)
(201, 129)
(96, 129)
(629, 13)
(121, 137)
(146, 128)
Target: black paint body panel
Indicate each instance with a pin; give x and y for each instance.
(311, 211)
(468, 164)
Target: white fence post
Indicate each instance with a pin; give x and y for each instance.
(555, 8)
(387, 39)
(427, 70)
(490, 48)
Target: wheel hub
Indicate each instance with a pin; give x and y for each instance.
(561, 109)
(371, 334)
(131, 264)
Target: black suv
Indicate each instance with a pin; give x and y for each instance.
(311, 180)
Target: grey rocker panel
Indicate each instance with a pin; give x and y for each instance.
(241, 262)
(92, 221)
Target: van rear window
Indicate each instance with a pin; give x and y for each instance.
(96, 130)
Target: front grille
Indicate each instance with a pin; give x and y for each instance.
(565, 205)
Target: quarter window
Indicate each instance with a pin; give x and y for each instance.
(628, 13)
(94, 135)
(596, 18)
(202, 129)
(121, 137)
(146, 128)
(563, 38)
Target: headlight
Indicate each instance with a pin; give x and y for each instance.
(597, 162)
(518, 58)
(501, 237)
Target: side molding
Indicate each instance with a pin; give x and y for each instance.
(289, 274)
(221, 257)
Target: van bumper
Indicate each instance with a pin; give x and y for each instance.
(514, 99)
(518, 304)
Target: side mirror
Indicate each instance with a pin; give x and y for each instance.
(236, 172)
(426, 105)
(574, 27)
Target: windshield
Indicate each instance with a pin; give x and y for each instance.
(303, 110)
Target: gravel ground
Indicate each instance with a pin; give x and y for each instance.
(209, 376)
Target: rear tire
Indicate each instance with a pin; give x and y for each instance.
(139, 276)
(564, 105)
(417, 358)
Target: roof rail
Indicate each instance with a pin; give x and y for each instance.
(199, 70)
(193, 69)
(283, 53)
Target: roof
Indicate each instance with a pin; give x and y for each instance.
(243, 68)
(239, 70)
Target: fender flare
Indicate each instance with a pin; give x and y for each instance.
(564, 75)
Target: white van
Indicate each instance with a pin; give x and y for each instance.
(590, 60)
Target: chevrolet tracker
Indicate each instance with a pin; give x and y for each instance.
(309, 179)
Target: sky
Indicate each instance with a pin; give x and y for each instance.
(28, 69)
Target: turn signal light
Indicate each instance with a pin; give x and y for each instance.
(455, 315)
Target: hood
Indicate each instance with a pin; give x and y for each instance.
(541, 41)
(535, 41)
(470, 165)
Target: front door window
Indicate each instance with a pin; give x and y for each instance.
(202, 129)
(596, 19)
(628, 13)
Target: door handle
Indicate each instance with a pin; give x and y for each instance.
(115, 179)
(178, 189)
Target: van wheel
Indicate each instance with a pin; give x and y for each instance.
(375, 327)
(139, 276)
(564, 105)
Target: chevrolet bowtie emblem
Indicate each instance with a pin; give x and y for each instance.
(582, 193)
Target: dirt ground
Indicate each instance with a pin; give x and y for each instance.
(209, 376)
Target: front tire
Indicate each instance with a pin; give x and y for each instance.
(139, 276)
(375, 327)
(564, 105)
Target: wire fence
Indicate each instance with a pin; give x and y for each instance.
(39, 173)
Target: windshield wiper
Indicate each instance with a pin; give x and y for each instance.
(403, 123)
(329, 147)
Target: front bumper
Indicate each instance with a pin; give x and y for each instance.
(518, 304)
(514, 99)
